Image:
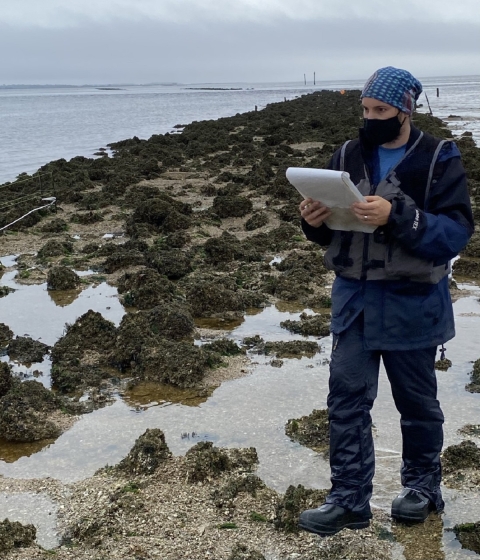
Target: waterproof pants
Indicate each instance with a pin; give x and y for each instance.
(353, 388)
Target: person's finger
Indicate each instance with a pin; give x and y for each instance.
(309, 209)
(362, 206)
(361, 212)
(305, 203)
(317, 217)
(317, 214)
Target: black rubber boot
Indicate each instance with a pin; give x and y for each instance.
(330, 519)
(410, 506)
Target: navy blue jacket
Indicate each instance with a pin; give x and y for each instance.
(404, 314)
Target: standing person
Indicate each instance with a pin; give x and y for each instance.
(390, 300)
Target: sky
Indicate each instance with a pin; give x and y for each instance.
(224, 41)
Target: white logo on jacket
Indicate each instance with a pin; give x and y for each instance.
(417, 220)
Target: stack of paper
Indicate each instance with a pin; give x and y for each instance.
(335, 190)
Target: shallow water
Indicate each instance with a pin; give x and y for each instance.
(32, 508)
(11, 451)
(32, 311)
(37, 371)
(251, 411)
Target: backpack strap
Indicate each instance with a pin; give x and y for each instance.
(432, 167)
(342, 155)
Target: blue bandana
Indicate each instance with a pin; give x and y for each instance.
(394, 86)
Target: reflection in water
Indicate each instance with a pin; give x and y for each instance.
(62, 298)
(267, 324)
(147, 394)
(468, 535)
(290, 307)
(12, 451)
(38, 371)
(31, 310)
(218, 324)
(254, 311)
(422, 541)
(226, 324)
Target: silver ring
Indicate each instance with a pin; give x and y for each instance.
(365, 217)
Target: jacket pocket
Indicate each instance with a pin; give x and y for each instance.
(412, 310)
(401, 264)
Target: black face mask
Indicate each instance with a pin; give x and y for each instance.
(380, 131)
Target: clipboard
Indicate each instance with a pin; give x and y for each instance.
(335, 190)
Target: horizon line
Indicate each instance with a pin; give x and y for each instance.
(172, 84)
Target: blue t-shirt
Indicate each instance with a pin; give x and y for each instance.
(387, 159)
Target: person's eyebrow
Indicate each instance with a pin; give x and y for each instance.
(379, 106)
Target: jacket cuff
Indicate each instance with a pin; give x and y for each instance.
(406, 221)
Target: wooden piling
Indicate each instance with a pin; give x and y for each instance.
(428, 103)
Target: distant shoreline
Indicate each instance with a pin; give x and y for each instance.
(211, 85)
(217, 88)
(71, 86)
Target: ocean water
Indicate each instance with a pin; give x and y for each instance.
(458, 102)
(38, 125)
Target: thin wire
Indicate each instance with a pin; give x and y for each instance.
(19, 200)
(25, 215)
(32, 178)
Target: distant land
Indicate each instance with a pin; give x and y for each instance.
(69, 86)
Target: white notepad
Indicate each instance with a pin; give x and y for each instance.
(335, 190)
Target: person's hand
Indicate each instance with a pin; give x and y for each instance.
(314, 212)
(375, 211)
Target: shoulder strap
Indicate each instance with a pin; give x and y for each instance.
(342, 155)
(432, 167)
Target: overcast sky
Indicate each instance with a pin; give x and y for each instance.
(193, 41)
